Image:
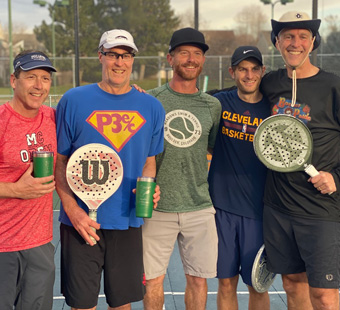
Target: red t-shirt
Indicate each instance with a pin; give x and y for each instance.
(24, 223)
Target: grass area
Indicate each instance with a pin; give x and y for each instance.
(5, 91)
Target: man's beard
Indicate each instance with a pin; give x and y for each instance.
(188, 76)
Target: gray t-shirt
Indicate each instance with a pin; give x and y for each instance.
(190, 128)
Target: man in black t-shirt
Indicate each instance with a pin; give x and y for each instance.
(301, 213)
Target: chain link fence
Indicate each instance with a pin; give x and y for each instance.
(148, 72)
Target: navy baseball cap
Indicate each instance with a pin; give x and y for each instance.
(245, 52)
(34, 60)
(188, 36)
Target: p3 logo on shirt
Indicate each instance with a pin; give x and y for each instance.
(118, 127)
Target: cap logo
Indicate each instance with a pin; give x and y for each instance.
(121, 37)
(298, 15)
(38, 57)
(245, 52)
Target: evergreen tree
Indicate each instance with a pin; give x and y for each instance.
(151, 22)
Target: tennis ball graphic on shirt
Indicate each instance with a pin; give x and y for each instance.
(182, 128)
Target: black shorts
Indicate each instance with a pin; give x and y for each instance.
(296, 245)
(119, 254)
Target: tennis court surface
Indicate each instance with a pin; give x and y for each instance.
(174, 284)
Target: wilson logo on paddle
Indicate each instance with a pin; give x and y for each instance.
(100, 171)
(118, 127)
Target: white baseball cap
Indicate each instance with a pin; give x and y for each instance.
(117, 37)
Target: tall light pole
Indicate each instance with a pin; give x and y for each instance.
(315, 16)
(76, 40)
(196, 15)
(272, 17)
(275, 2)
(42, 3)
(10, 42)
(196, 27)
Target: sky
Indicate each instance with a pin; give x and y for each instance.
(214, 14)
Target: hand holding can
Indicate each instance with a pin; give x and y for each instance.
(42, 164)
(144, 196)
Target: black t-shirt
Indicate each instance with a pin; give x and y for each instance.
(318, 106)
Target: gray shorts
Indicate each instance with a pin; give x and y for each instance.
(296, 245)
(197, 242)
(27, 278)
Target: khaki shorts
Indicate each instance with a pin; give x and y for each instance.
(197, 242)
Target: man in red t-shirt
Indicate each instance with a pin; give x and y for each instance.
(26, 203)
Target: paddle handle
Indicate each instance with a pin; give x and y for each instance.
(93, 216)
(312, 172)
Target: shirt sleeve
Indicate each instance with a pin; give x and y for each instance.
(215, 110)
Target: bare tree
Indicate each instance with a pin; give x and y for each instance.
(17, 27)
(187, 19)
(250, 21)
(332, 23)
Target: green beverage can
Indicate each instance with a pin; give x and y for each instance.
(144, 196)
(42, 164)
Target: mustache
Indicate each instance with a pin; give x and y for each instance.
(191, 64)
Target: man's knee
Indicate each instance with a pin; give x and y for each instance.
(292, 283)
(323, 298)
(155, 283)
(228, 285)
(196, 282)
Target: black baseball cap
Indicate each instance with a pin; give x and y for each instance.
(188, 36)
(34, 60)
(245, 52)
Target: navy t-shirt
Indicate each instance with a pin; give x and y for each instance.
(236, 176)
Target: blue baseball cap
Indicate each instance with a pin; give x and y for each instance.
(34, 60)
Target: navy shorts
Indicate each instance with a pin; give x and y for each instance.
(239, 239)
(119, 254)
(296, 245)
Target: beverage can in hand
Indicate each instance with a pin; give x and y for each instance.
(42, 164)
(144, 196)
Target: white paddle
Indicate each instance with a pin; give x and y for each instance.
(94, 172)
(261, 277)
(283, 143)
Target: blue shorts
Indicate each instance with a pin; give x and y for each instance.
(239, 239)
